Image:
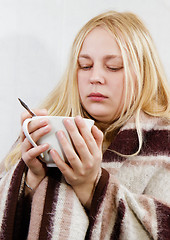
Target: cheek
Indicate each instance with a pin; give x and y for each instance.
(82, 80)
(117, 85)
(132, 89)
(79, 78)
(81, 87)
(82, 76)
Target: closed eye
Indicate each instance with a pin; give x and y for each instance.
(85, 67)
(114, 69)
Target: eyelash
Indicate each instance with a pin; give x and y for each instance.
(115, 69)
(86, 68)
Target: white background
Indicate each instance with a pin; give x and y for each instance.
(35, 39)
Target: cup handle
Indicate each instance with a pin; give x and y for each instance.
(28, 136)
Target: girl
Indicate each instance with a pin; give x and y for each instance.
(117, 179)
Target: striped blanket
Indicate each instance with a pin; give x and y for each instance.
(131, 200)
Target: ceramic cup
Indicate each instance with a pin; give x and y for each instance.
(57, 124)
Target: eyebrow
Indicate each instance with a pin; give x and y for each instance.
(107, 57)
(84, 56)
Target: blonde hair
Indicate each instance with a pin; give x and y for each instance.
(150, 92)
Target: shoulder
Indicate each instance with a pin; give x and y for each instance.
(147, 123)
(155, 133)
(156, 139)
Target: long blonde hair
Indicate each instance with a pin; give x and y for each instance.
(150, 93)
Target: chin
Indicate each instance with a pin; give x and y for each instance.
(102, 118)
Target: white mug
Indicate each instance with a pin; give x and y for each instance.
(57, 124)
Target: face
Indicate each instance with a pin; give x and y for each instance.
(101, 76)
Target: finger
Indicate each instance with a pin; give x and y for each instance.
(32, 153)
(78, 140)
(36, 135)
(98, 136)
(38, 112)
(86, 134)
(25, 146)
(37, 124)
(22, 135)
(69, 151)
(25, 115)
(33, 126)
(66, 170)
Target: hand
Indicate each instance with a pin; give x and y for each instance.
(84, 162)
(37, 128)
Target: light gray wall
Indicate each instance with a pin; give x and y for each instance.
(35, 38)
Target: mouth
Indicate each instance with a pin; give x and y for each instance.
(97, 97)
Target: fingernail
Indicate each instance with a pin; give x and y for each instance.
(60, 134)
(69, 121)
(44, 121)
(47, 128)
(44, 111)
(79, 118)
(53, 152)
(44, 146)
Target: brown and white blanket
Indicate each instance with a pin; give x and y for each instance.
(131, 200)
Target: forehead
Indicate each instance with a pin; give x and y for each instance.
(100, 41)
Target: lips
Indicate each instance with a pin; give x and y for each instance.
(96, 97)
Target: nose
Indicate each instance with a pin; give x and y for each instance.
(96, 76)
